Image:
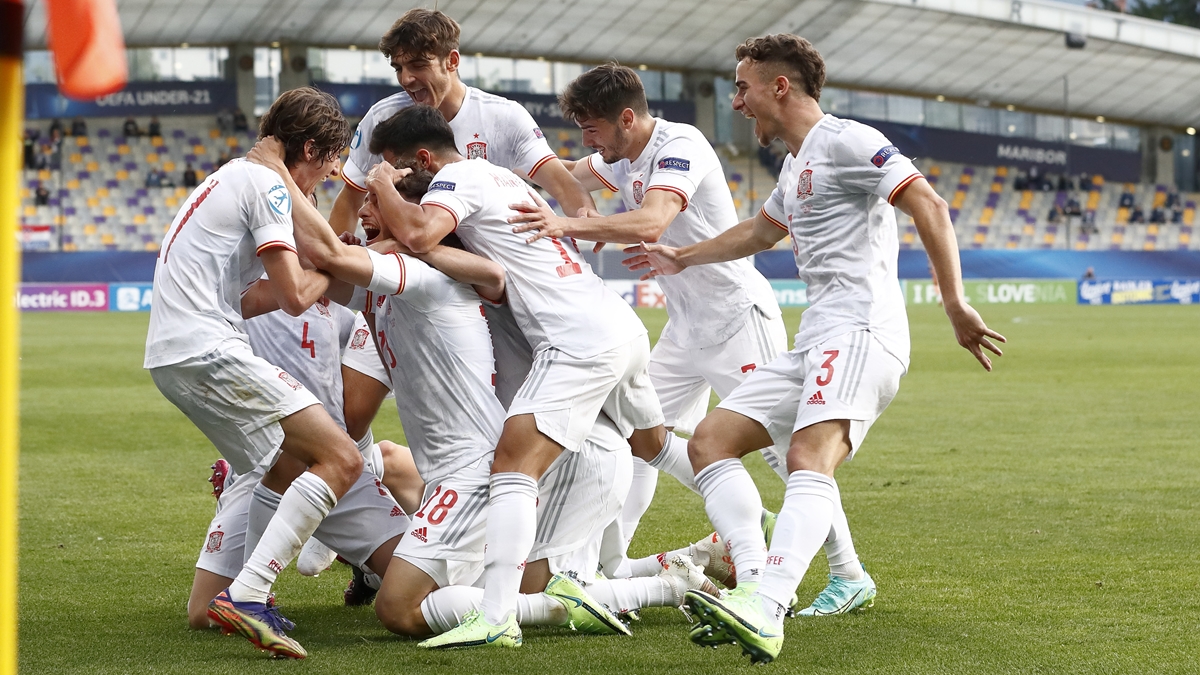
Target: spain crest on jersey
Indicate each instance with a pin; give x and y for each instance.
(360, 338)
(637, 191)
(290, 381)
(477, 150)
(213, 544)
(804, 187)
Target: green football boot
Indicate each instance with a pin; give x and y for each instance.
(475, 631)
(584, 613)
(842, 596)
(735, 618)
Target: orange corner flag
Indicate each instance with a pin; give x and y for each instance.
(89, 50)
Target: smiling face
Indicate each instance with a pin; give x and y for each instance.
(609, 138)
(369, 214)
(312, 169)
(427, 78)
(758, 98)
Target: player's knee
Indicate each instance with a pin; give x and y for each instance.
(197, 616)
(349, 460)
(703, 447)
(400, 617)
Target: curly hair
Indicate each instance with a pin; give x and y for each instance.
(794, 55)
(603, 93)
(421, 31)
(302, 115)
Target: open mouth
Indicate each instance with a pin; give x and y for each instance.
(371, 231)
(419, 95)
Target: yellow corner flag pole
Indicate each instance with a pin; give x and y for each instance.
(12, 113)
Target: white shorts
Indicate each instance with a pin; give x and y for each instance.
(361, 354)
(849, 377)
(579, 495)
(236, 399)
(566, 395)
(682, 377)
(447, 535)
(364, 519)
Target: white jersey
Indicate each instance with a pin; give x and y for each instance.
(486, 126)
(309, 347)
(557, 299)
(435, 344)
(514, 356)
(706, 304)
(209, 256)
(834, 198)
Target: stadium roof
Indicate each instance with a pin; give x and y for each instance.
(998, 51)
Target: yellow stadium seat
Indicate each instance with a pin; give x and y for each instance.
(199, 176)
(107, 239)
(102, 192)
(1152, 229)
(182, 191)
(73, 184)
(564, 136)
(123, 149)
(752, 194)
(607, 194)
(980, 237)
(30, 211)
(59, 220)
(43, 175)
(563, 152)
(76, 158)
(214, 133)
(1117, 237)
(89, 229)
(733, 186)
(1080, 246)
(1184, 238)
(171, 201)
(1002, 171)
(1097, 181)
(957, 201)
(122, 174)
(1048, 238)
(1011, 244)
(909, 237)
(152, 246)
(965, 179)
(199, 150)
(1027, 230)
(1160, 198)
(737, 203)
(69, 247)
(1189, 216)
(935, 170)
(25, 193)
(92, 202)
(997, 187)
(1123, 215)
(1093, 200)
(139, 219)
(985, 218)
(156, 141)
(1148, 246)
(152, 158)
(1026, 199)
(81, 141)
(231, 141)
(92, 166)
(168, 166)
(110, 211)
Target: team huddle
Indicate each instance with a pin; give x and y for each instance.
(537, 416)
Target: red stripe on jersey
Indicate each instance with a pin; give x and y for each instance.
(610, 186)
(351, 183)
(448, 210)
(676, 190)
(540, 163)
(274, 244)
(900, 188)
(403, 272)
(187, 216)
(774, 222)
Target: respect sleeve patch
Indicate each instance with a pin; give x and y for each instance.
(674, 164)
(443, 185)
(882, 156)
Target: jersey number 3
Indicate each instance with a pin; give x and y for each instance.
(825, 379)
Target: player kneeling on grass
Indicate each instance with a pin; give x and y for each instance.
(244, 220)
(835, 198)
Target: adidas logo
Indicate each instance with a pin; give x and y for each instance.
(816, 399)
(420, 533)
(396, 511)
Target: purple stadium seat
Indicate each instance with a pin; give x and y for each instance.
(110, 247)
(207, 166)
(131, 201)
(953, 215)
(86, 150)
(114, 158)
(100, 220)
(993, 199)
(55, 202)
(149, 210)
(131, 229)
(969, 171)
(69, 211)
(131, 166)
(193, 141)
(111, 183)
(84, 175)
(189, 158)
(178, 133)
(104, 133)
(737, 177)
(64, 192)
(32, 185)
(68, 239)
(147, 238)
(142, 192)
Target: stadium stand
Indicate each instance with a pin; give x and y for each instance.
(100, 199)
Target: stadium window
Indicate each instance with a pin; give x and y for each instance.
(979, 120)
(1049, 128)
(266, 78)
(672, 86)
(905, 109)
(1089, 132)
(1125, 137)
(943, 115)
(1014, 123)
(835, 101)
(723, 118)
(39, 67)
(868, 105)
(652, 80)
(492, 74)
(532, 77)
(564, 73)
(176, 64)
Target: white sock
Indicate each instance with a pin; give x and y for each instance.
(777, 466)
(673, 459)
(803, 524)
(314, 558)
(650, 565)
(625, 595)
(364, 444)
(264, 502)
(839, 547)
(444, 608)
(641, 493)
(511, 524)
(734, 507)
(301, 510)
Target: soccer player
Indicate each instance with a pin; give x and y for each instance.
(835, 198)
(590, 349)
(422, 46)
(240, 222)
(723, 320)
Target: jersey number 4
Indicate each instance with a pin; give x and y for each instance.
(305, 343)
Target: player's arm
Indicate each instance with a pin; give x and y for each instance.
(581, 170)
(648, 223)
(554, 178)
(744, 239)
(485, 276)
(344, 215)
(419, 228)
(288, 286)
(932, 219)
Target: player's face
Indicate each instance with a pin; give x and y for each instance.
(425, 77)
(369, 214)
(755, 100)
(309, 173)
(607, 138)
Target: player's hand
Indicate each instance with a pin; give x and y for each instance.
(656, 259)
(972, 333)
(349, 239)
(384, 174)
(269, 152)
(386, 246)
(537, 217)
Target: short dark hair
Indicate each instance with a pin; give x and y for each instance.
(794, 55)
(415, 127)
(603, 93)
(302, 115)
(421, 31)
(414, 185)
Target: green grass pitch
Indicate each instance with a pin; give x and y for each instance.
(1040, 519)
